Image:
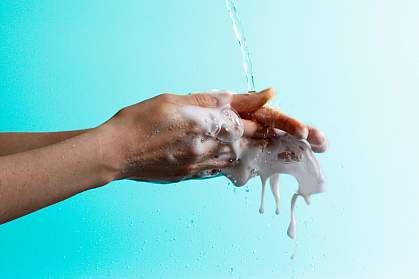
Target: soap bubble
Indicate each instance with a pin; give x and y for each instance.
(232, 127)
(214, 126)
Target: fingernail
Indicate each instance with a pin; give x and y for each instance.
(319, 148)
(303, 133)
(316, 137)
(269, 90)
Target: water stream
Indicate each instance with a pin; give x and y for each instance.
(241, 38)
(308, 174)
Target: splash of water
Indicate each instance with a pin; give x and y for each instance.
(241, 38)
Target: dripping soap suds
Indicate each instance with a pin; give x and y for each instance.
(283, 154)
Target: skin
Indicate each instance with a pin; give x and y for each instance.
(40, 169)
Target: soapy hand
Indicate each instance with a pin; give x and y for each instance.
(166, 138)
(154, 141)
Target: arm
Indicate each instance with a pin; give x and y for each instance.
(11, 143)
(134, 144)
(37, 178)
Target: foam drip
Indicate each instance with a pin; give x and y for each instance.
(262, 198)
(292, 228)
(274, 183)
(266, 158)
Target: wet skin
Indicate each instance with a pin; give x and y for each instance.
(39, 169)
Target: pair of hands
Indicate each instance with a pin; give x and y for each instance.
(152, 141)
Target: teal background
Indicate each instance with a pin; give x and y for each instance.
(349, 67)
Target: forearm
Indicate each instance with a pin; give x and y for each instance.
(11, 143)
(37, 178)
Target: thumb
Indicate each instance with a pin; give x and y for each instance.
(251, 101)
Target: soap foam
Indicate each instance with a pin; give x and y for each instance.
(266, 158)
(220, 122)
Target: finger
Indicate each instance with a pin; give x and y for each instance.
(216, 159)
(274, 118)
(208, 147)
(214, 164)
(253, 129)
(240, 102)
(317, 140)
(315, 136)
(318, 149)
(198, 99)
(251, 101)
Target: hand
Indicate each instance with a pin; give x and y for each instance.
(152, 141)
(149, 141)
(272, 118)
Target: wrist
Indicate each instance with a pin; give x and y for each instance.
(110, 152)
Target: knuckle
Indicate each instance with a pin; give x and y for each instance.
(120, 113)
(205, 100)
(196, 129)
(194, 154)
(165, 97)
(164, 107)
(190, 169)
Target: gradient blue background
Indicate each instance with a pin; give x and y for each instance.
(349, 67)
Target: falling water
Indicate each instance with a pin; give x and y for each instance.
(239, 33)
